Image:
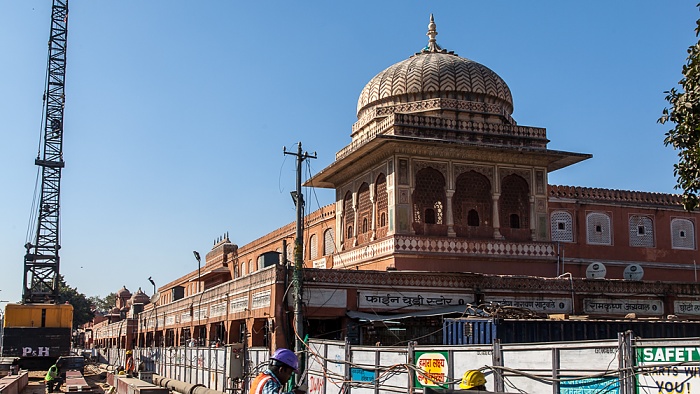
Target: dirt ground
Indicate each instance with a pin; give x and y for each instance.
(96, 378)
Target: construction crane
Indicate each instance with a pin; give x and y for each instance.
(41, 263)
(37, 331)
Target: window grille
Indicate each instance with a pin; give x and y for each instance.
(682, 234)
(515, 200)
(313, 247)
(641, 231)
(365, 207)
(349, 218)
(251, 267)
(598, 229)
(429, 196)
(243, 270)
(562, 227)
(382, 200)
(472, 203)
(328, 244)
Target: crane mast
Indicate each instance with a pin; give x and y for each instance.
(41, 262)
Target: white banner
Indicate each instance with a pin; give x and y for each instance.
(686, 307)
(607, 306)
(409, 300)
(537, 304)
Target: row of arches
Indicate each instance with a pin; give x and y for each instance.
(368, 218)
(472, 206)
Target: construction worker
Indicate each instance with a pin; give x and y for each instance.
(473, 380)
(282, 364)
(129, 363)
(52, 380)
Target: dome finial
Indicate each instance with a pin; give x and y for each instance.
(432, 33)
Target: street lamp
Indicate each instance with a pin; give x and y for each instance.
(154, 285)
(199, 268)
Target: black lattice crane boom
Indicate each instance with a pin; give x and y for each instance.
(41, 263)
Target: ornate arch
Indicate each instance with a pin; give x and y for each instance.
(514, 208)
(472, 206)
(429, 202)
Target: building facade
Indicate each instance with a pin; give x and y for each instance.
(443, 208)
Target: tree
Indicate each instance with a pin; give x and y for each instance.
(82, 311)
(104, 304)
(685, 136)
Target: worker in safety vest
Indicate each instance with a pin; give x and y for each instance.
(282, 364)
(52, 379)
(129, 363)
(473, 380)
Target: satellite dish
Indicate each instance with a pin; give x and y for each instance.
(596, 271)
(633, 272)
(155, 297)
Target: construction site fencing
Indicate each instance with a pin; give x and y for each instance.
(225, 368)
(625, 366)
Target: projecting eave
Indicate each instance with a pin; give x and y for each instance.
(328, 177)
(382, 146)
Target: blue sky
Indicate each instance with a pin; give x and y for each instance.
(177, 111)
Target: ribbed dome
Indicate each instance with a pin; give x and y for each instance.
(140, 297)
(436, 73)
(123, 292)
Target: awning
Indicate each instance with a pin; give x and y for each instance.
(466, 310)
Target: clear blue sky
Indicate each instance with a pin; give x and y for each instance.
(177, 111)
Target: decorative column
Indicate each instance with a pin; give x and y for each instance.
(356, 219)
(533, 219)
(373, 221)
(496, 217)
(450, 218)
(339, 220)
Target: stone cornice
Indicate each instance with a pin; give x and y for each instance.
(597, 195)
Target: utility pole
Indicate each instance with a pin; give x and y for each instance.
(298, 277)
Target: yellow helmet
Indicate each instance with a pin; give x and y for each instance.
(471, 379)
(129, 352)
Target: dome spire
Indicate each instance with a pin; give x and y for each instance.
(432, 46)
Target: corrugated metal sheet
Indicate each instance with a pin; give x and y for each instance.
(484, 331)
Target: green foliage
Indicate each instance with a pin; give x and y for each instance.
(685, 136)
(82, 311)
(104, 304)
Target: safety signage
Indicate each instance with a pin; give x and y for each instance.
(432, 369)
(668, 370)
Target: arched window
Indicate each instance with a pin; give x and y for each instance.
(328, 242)
(515, 200)
(682, 234)
(235, 271)
(429, 199)
(514, 220)
(243, 268)
(598, 229)
(251, 267)
(472, 205)
(382, 205)
(348, 219)
(473, 218)
(430, 216)
(641, 231)
(313, 247)
(364, 205)
(562, 227)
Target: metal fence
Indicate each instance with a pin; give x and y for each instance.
(625, 366)
(628, 365)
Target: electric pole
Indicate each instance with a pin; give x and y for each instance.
(298, 277)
